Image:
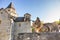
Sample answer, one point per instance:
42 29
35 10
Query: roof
48 24
11 6
27 14
19 19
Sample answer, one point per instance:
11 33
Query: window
8 10
1 12
0 21
19 24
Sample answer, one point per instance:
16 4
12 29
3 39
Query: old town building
11 25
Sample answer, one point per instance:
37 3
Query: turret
11 10
37 23
27 17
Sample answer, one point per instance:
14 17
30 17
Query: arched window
19 24
0 21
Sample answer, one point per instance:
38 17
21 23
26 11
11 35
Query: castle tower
11 10
36 25
7 16
27 17
13 15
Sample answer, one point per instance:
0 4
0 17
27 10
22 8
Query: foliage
57 22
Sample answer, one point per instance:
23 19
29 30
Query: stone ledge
39 36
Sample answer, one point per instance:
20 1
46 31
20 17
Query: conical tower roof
11 6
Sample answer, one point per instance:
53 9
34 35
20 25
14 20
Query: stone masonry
38 36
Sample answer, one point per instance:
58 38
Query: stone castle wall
38 36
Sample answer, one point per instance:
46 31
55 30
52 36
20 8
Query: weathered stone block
39 36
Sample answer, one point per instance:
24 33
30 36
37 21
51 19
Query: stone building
37 25
11 25
45 27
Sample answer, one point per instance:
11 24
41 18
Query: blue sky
46 10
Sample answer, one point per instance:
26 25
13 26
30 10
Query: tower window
1 12
0 21
8 10
19 25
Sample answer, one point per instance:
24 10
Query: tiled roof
11 6
19 19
